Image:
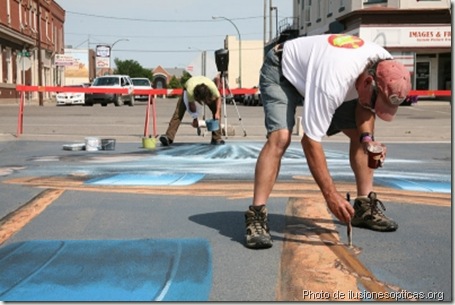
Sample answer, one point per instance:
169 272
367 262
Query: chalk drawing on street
230 161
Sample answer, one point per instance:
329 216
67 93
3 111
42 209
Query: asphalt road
193 195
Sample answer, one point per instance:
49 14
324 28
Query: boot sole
261 244
379 229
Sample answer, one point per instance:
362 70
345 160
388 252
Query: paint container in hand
212 125
374 156
92 144
108 144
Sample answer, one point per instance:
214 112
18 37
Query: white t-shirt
324 69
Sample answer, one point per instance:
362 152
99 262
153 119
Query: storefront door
423 75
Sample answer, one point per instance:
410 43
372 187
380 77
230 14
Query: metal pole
270 20
23 66
40 63
224 105
265 21
110 54
20 118
276 20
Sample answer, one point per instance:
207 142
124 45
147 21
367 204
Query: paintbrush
348 198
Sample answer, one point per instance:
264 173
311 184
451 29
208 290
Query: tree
174 83
132 68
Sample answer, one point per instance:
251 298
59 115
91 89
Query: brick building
31 33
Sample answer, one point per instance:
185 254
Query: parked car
107 82
141 83
71 98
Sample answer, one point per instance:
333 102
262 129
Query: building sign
410 37
103 51
102 62
430 36
64 60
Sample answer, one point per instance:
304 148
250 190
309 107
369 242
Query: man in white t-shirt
343 83
198 89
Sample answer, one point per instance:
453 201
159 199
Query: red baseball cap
394 83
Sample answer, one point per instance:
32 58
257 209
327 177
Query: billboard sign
78 71
103 51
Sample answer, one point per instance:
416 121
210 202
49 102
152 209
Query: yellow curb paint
16 220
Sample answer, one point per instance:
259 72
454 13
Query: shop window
342 6
329 8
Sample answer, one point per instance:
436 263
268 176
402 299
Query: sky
170 33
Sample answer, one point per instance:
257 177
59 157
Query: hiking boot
165 141
257 229
367 215
217 142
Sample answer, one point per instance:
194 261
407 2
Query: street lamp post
274 8
240 46
110 55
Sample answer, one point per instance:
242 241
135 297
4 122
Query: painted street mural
184 164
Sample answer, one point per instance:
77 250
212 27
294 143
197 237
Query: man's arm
192 106
218 108
317 163
365 119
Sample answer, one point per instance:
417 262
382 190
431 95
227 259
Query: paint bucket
212 125
108 144
149 143
92 144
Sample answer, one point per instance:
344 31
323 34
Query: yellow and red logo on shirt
345 41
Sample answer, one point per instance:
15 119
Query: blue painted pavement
106 270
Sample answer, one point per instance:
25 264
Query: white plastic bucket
92 144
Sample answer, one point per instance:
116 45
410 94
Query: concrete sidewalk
423 122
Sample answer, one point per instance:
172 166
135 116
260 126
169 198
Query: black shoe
165 141
217 142
257 229
367 215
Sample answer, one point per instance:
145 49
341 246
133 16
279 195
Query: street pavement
168 223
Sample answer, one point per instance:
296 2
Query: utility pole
270 20
265 21
40 60
204 63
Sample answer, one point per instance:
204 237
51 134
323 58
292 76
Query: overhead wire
156 20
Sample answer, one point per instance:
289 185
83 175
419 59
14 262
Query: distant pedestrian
198 89
345 83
